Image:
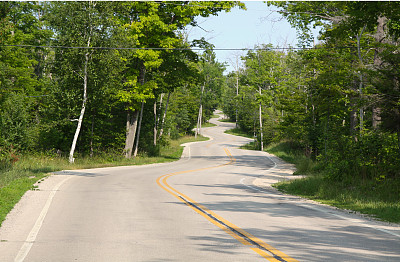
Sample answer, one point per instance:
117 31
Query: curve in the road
257 245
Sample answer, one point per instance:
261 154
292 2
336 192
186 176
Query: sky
257 25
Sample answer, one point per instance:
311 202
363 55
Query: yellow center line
236 232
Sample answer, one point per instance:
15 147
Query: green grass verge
12 193
237 132
208 124
288 152
377 199
227 120
31 168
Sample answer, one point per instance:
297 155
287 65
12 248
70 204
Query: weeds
22 176
237 132
379 199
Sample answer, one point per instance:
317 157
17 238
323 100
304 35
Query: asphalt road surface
215 204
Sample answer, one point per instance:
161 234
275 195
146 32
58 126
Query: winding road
215 204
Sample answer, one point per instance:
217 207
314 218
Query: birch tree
78 26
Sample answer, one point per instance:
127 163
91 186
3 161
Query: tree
262 73
154 25
349 84
20 80
210 85
80 24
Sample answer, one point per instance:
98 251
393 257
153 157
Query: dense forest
338 101
84 78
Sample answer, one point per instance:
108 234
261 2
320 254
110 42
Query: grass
226 120
208 124
237 132
376 199
290 153
380 200
32 168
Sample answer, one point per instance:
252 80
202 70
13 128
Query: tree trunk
261 128
198 127
361 78
78 128
91 137
155 122
353 117
157 118
138 132
380 37
131 126
353 121
164 116
398 140
376 119
200 118
132 121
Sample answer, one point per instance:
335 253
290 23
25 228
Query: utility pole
260 106
199 117
261 124
237 90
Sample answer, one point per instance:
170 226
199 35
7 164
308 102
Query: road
215 204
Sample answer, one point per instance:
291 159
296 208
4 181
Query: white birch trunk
155 123
78 128
85 79
164 116
138 131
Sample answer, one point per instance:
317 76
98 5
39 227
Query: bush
374 156
8 156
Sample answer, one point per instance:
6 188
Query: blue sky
259 24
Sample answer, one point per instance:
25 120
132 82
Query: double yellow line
263 249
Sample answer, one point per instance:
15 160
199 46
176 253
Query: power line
181 49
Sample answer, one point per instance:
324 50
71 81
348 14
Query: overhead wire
180 48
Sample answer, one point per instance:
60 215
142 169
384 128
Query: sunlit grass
208 124
237 132
227 120
378 199
31 168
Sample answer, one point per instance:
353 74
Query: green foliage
379 200
340 105
12 193
41 88
182 117
16 180
238 132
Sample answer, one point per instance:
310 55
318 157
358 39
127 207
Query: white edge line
26 247
318 209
